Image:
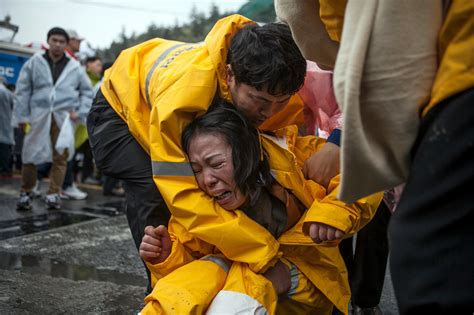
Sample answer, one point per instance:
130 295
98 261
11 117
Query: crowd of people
250 160
43 123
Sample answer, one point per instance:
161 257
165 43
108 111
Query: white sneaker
53 201
72 192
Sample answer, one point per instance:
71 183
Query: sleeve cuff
335 137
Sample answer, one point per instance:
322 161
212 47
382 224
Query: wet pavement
80 259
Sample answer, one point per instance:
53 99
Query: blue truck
12 58
12 55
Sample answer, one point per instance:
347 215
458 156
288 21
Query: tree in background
193 31
259 10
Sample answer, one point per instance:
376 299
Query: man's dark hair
266 57
251 168
57 31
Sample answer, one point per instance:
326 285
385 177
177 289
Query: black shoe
53 201
24 203
367 310
116 192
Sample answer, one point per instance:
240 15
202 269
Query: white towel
384 71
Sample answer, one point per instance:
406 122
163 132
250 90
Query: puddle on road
58 269
41 222
54 219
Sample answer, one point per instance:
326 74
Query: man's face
211 160
57 43
74 44
256 105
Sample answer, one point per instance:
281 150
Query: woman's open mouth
224 195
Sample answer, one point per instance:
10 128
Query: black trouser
72 167
119 155
17 148
366 266
88 162
5 159
432 229
69 176
109 184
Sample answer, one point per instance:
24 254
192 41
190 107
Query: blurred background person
74 44
6 130
52 88
94 69
70 190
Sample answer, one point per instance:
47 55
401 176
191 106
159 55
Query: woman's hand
320 232
156 244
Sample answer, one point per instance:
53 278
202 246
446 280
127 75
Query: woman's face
211 159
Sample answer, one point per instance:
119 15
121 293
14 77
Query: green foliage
194 31
259 10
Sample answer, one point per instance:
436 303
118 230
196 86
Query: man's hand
279 275
323 165
156 244
22 127
320 232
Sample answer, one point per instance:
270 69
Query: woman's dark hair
266 57
251 168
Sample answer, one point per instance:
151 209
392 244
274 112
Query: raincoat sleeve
178 257
349 218
329 210
234 234
23 92
85 95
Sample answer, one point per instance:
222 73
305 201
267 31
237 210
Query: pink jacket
322 114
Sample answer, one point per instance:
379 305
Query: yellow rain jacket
321 264
157 88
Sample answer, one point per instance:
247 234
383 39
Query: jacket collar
71 65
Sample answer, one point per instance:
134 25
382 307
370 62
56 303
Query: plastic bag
66 138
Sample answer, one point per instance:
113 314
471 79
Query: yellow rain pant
205 286
187 290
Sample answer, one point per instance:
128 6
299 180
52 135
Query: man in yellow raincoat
318 275
156 88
